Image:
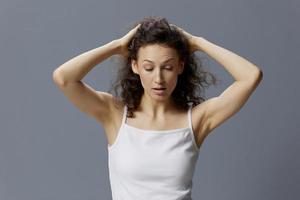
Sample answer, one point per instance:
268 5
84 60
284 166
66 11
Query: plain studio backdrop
50 150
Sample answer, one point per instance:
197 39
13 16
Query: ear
134 66
181 67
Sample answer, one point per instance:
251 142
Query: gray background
50 150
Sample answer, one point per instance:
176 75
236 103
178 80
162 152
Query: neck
156 109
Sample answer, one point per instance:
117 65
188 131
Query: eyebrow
163 61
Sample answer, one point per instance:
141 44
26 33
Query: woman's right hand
124 41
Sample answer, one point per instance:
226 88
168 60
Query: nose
159 77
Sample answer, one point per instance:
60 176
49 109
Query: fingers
135 28
133 31
176 27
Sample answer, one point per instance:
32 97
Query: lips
159 88
159 91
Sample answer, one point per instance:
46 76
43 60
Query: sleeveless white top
152 164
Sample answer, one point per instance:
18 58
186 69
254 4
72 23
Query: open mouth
159 91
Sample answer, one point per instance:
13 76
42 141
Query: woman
156 128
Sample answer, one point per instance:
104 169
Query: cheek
145 81
173 82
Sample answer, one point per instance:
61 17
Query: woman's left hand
190 38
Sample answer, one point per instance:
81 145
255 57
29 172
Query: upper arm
222 107
96 104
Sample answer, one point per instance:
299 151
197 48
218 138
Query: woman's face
158 66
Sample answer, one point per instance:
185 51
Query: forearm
240 68
76 68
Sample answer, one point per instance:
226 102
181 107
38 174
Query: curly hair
191 83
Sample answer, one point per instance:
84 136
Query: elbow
257 78
58 78
259 75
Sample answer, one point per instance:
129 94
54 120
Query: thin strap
124 114
191 127
189 116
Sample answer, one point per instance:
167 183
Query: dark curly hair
157 30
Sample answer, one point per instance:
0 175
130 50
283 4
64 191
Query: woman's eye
168 67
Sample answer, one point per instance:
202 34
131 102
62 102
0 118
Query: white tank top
152 164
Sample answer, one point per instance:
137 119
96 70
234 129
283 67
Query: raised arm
247 77
69 77
217 110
